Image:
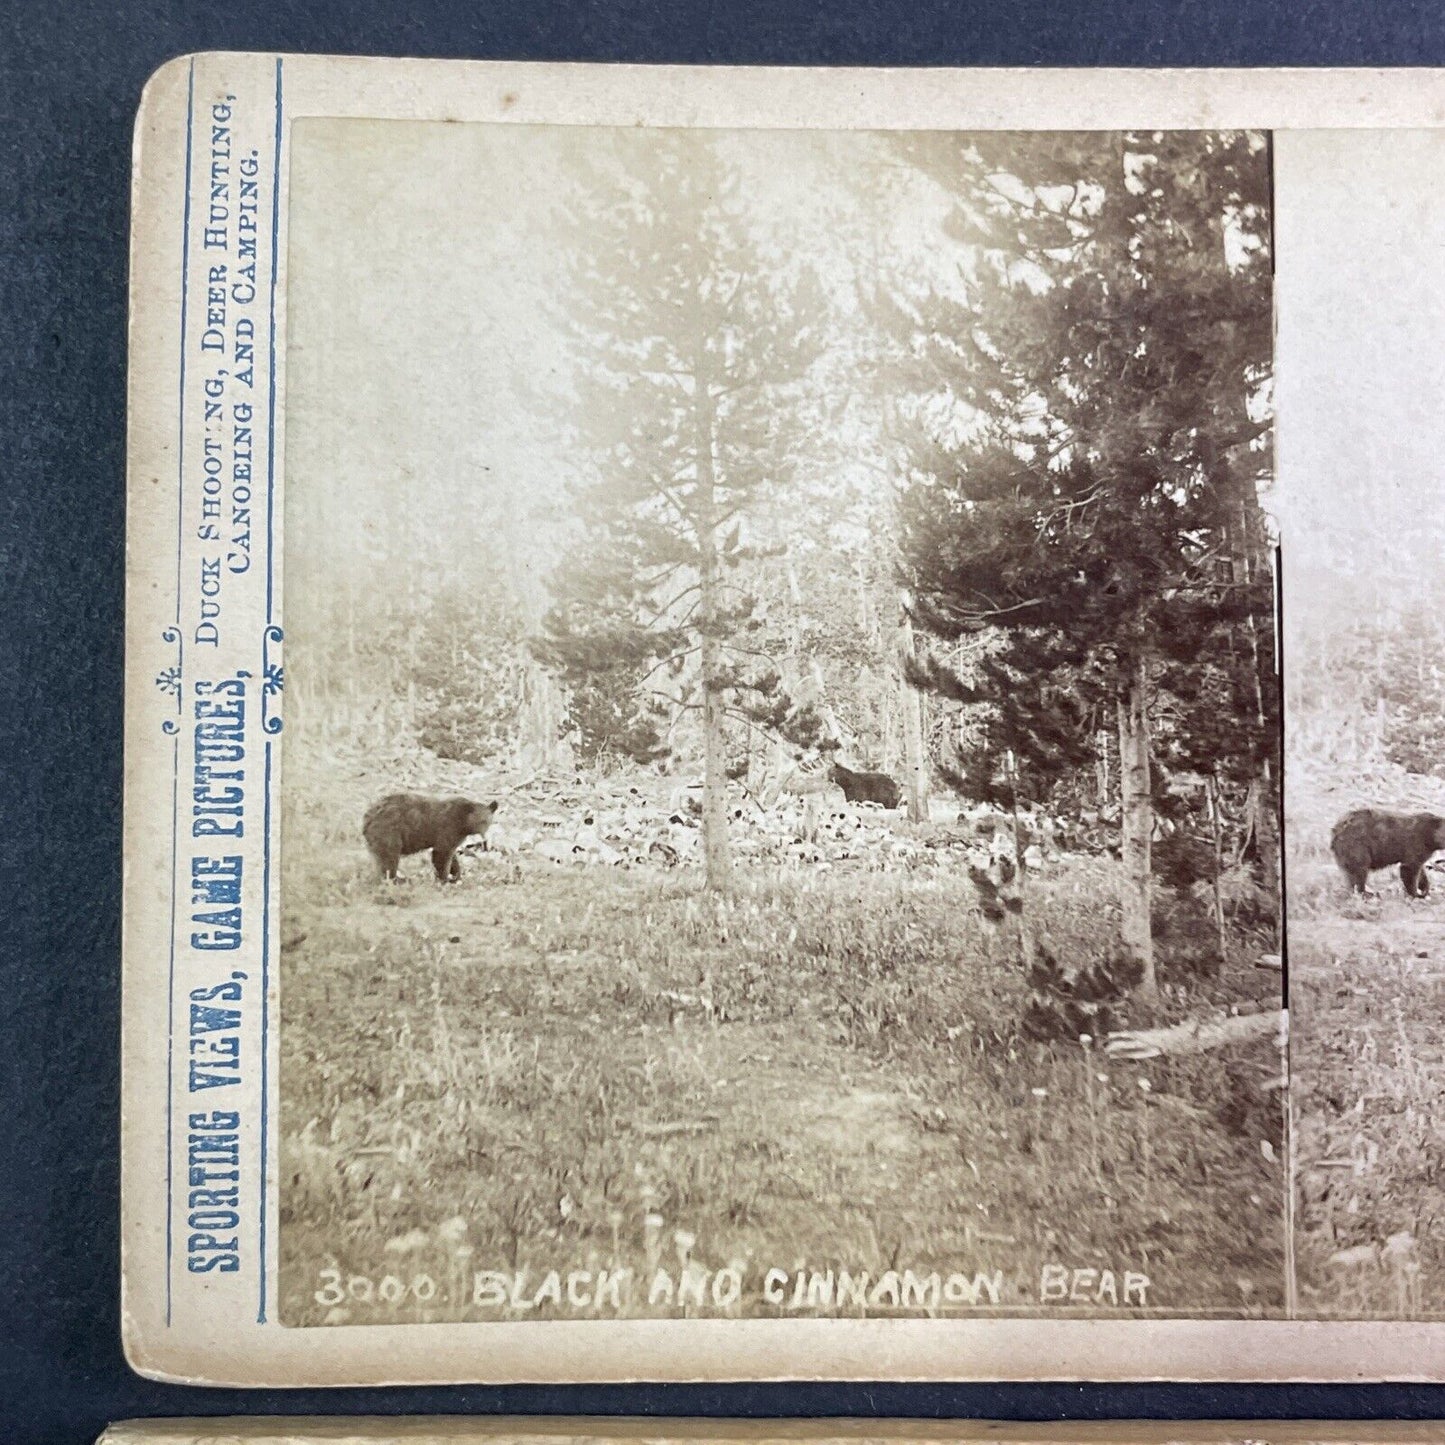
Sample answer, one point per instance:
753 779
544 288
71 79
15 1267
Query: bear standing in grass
1369 838
406 823
867 787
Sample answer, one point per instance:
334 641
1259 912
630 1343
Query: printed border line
265 682
1291 1264
171 1033
271 396
185 291
176 749
1291 1278
265 1040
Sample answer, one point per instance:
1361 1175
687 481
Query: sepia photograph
1365 709
780 788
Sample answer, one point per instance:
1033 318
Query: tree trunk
1267 840
1193 1038
1024 934
889 752
820 692
1212 797
915 763
865 613
1136 819
1264 796
716 853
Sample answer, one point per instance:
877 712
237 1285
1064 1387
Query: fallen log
1195 1037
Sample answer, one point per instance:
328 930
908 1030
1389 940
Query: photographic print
712 786
1366 793
779 635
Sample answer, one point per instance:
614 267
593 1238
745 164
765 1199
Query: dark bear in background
867 787
1370 838
406 823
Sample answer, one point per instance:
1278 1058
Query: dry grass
586 1069
1367 992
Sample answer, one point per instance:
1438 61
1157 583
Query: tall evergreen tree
691 346
1090 441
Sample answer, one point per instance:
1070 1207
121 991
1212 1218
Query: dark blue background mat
70 75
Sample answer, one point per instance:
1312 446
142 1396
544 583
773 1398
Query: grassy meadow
579 1068
1367 992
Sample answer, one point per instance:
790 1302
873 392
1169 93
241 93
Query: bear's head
481 816
475 818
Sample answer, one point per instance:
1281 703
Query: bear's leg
1408 874
442 860
454 873
386 863
1357 876
1422 883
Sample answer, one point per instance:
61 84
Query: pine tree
1410 686
605 659
1085 466
691 345
469 671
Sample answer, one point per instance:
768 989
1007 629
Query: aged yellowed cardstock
709 793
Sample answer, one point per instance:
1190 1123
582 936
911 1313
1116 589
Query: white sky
1360 296
420 255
